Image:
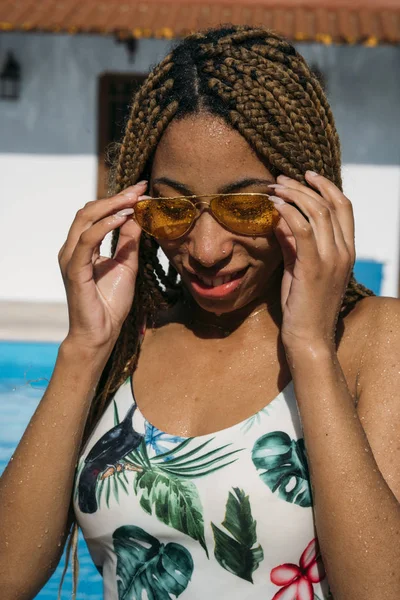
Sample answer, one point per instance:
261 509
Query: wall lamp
10 78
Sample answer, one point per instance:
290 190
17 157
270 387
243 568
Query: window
115 98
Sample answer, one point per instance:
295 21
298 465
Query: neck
198 318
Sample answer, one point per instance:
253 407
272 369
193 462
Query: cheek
266 255
264 249
173 251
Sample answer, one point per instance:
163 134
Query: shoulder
380 353
369 337
372 316
375 317
374 338
378 408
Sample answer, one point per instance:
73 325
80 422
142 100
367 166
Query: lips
216 287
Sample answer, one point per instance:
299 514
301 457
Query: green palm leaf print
285 467
148 569
175 502
163 482
236 554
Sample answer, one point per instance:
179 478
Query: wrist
75 350
310 350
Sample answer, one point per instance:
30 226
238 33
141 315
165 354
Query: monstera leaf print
236 552
148 569
284 467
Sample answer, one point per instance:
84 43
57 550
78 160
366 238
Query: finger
302 231
295 185
80 267
126 252
92 212
317 212
340 240
287 242
343 206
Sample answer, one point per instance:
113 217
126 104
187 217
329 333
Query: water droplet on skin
39 545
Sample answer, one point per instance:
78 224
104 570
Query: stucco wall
48 165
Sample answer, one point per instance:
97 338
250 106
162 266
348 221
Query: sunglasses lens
165 219
247 214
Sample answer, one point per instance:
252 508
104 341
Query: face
202 155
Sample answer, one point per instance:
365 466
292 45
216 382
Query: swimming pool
25 369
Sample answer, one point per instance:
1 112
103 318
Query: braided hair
262 87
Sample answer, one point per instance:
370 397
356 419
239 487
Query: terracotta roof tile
343 21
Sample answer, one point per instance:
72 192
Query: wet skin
190 379
202 155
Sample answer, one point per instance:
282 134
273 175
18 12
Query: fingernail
277 186
312 173
277 200
285 177
143 182
125 212
144 198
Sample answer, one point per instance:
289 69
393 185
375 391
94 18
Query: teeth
207 281
217 281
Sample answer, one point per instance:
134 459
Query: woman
251 451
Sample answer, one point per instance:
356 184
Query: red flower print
298 580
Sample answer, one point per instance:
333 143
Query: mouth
216 287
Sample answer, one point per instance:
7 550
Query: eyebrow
225 189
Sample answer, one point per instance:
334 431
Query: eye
175 209
245 206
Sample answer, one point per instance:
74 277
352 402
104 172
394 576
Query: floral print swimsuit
224 515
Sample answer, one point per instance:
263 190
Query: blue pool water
25 369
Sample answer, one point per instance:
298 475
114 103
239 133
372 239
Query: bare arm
35 489
354 472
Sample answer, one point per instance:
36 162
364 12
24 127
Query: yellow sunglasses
170 218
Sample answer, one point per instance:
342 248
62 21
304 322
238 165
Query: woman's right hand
99 289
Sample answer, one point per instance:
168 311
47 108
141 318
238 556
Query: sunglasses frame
207 206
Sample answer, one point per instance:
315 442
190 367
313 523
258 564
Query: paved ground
39 321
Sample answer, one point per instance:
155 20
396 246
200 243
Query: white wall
48 164
375 194
40 195
48 190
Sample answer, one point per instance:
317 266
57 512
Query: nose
208 242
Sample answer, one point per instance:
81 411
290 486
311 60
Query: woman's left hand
318 255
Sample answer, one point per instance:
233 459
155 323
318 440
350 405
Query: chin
225 305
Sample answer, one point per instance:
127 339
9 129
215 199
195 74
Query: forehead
204 148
